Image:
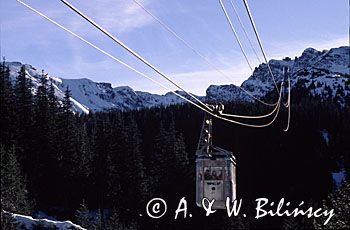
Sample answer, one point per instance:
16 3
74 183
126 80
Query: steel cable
140 73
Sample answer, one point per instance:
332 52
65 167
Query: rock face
324 74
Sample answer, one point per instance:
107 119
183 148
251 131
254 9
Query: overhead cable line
289 105
198 53
138 56
259 41
240 44
290 73
140 73
97 48
252 117
132 52
245 31
235 34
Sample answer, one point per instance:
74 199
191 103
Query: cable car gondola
215 168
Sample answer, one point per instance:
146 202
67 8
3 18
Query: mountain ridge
324 74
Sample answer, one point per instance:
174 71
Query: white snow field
27 222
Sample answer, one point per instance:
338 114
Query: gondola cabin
215 170
216 177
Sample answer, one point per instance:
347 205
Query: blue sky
286 28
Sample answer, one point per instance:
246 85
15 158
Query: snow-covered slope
28 222
35 74
325 74
89 95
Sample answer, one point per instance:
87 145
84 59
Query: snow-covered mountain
322 73
325 74
89 95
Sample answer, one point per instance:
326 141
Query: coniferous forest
100 169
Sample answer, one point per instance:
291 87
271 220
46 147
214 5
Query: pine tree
14 197
101 157
53 111
170 160
67 103
40 159
54 137
98 221
52 100
6 107
85 156
67 135
113 222
67 153
24 117
179 148
42 105
159 161
134 167
119 158
83 216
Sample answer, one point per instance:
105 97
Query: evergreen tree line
100 169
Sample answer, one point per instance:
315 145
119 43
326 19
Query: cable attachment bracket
205 143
